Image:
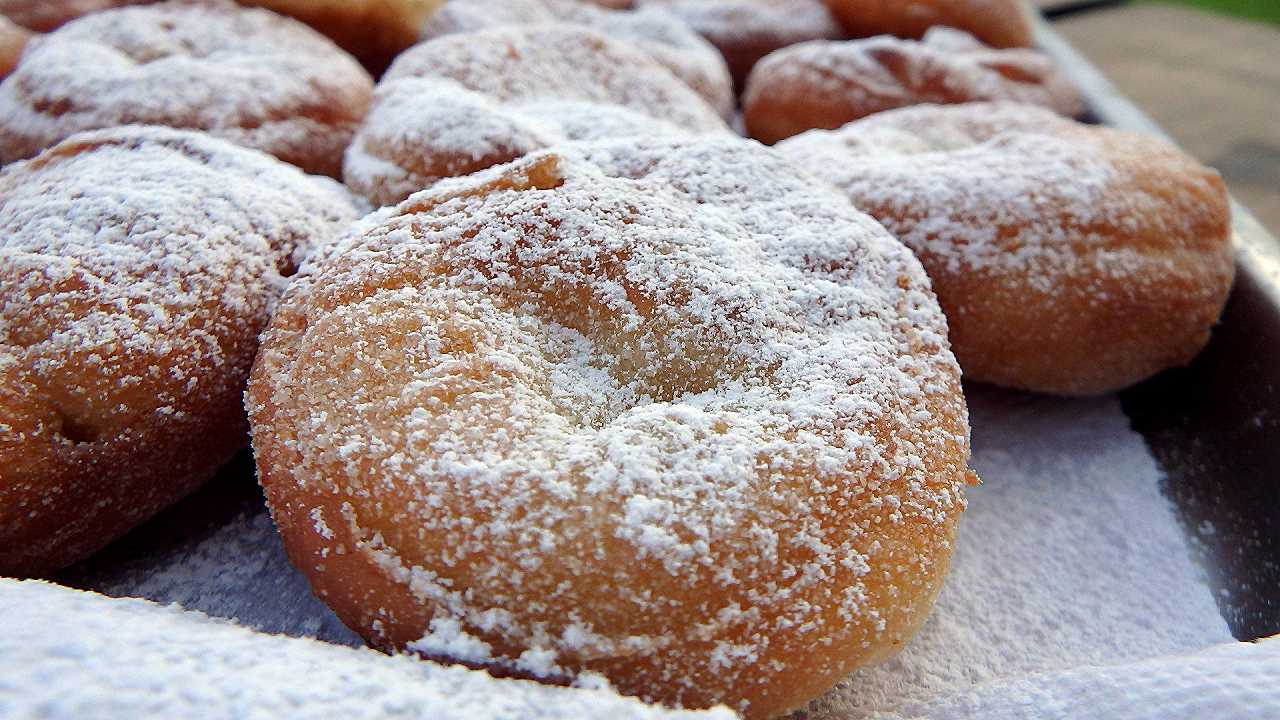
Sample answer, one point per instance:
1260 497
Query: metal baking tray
1214 427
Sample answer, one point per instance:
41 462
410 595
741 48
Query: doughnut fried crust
668 412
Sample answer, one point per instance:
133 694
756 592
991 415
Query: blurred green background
1268 10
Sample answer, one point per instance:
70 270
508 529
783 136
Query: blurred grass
1265 10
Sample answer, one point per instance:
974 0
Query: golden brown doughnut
13 40
998 23
662 35
1070 259
464 102
827 84
246 75
137 267
663 411
746 30
48 15
374 31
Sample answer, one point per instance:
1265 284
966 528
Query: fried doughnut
137 266
654 31
249 76
374 31
827 84
665 411
746 30
465 102
48 15
13 40
1070 259
998 23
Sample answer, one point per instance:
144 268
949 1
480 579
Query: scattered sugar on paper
131 658
1068 556
1233 681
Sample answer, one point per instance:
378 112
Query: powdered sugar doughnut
137 267
375 31
47 15
249 76
13 40
1070 259
654 31
465 102
999 23
668 412
746 30
827 84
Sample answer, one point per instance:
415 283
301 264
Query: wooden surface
1210 81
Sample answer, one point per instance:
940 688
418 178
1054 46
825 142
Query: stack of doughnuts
827 84
600 392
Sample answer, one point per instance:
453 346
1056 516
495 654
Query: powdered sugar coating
658 33
747 30
827 84
669 412
139 266
1040 232
62 657
249 76
464 102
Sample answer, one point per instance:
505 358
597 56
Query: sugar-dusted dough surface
1070 258
243 74
137 266
668 411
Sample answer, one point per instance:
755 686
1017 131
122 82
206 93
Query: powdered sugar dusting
1000 187
247 75
1231 681
684 362
176 663
461 103
1069 258
664 37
